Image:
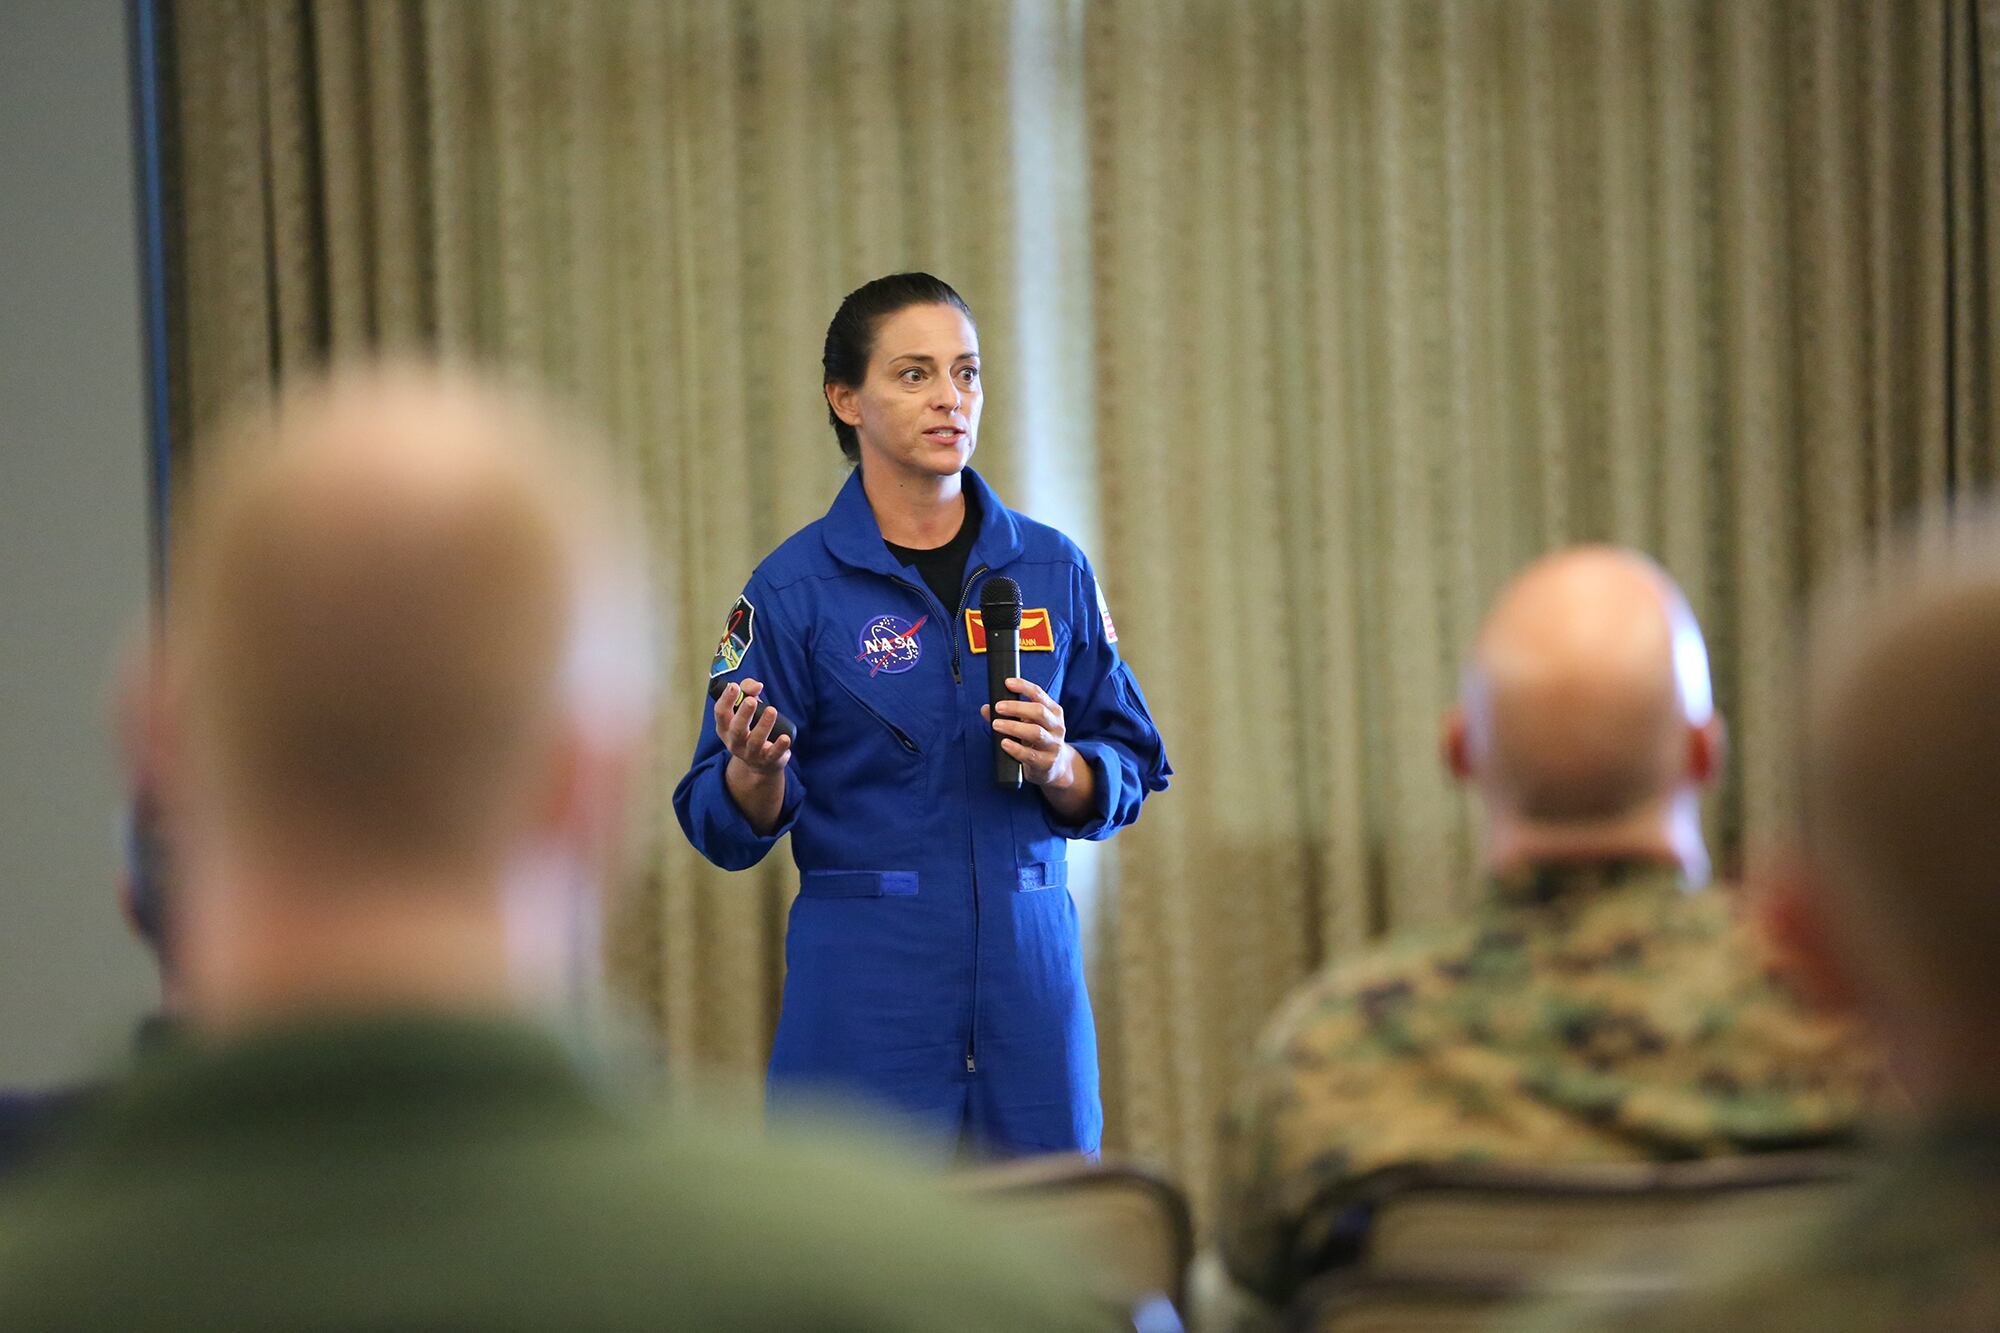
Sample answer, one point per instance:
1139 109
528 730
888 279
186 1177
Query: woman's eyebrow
925 359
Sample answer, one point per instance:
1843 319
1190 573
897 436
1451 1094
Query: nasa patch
890 646
735 639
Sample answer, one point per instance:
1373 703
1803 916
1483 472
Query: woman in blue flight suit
933 961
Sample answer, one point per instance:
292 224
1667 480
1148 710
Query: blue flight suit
933 960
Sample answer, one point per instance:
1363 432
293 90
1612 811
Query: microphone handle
1003 660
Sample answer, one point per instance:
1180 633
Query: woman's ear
845 400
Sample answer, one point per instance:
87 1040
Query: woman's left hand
1031 730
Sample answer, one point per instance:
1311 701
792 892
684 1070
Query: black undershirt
943 567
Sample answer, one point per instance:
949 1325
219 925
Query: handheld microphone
1000 609
781 727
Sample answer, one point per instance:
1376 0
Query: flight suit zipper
971 843
902 737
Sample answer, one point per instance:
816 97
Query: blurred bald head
1583 688
389 613
1901 772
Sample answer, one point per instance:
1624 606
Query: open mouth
944 435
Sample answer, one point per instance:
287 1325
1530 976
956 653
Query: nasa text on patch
1038 633
889 644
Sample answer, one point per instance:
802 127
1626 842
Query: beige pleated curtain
1313 319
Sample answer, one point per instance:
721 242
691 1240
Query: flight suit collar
853 537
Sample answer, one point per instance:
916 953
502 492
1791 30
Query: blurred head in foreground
1585 719
1890 898
403 686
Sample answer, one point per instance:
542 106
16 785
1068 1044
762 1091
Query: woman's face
917 409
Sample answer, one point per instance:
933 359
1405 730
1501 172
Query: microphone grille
1000 603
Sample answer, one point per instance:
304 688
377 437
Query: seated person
404 691
1887 900
1598 1005
31 1121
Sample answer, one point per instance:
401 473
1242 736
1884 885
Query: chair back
1130 1224
1442 1246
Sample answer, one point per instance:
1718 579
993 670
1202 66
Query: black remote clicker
782 727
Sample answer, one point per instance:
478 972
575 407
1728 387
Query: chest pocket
897 732
1039 851
1046 668
884 682
1044 639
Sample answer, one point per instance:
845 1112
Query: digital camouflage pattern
1586 1013
1915 1244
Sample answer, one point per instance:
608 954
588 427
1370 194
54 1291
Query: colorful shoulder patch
1038 633
889 644
736 639
1104 611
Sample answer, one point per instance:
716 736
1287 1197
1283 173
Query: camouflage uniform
1915 1244
1587 1013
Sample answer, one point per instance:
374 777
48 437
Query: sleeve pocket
858 884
